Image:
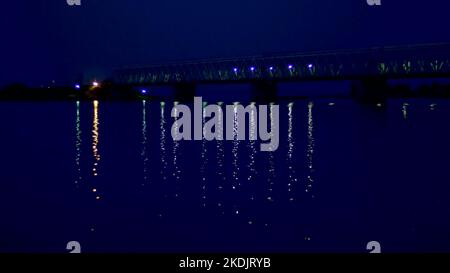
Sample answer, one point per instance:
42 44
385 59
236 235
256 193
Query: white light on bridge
271 68
77 86
252 68
95 84
144 91
235 70
290 66
310 66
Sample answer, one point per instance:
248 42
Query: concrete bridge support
184 91
370 89
264 91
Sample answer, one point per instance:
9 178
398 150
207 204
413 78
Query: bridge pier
184 91
370 89
264 91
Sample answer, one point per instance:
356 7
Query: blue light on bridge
310 66
271 68
144 91
235 70
252 69
290 66
77 86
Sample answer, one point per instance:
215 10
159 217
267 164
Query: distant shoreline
109 91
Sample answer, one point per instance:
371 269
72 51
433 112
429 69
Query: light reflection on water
144 153
95 139
271 162
290 153
220 170
176 154
235 150
251 143
310 149
405 110
162 142
221 178
322 184
78 144
220 150
204 157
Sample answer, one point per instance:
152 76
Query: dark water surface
107 174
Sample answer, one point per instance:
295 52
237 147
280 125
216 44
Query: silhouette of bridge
428 60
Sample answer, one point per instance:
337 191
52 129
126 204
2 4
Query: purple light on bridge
143 91
235 70
252 68
290 66
77 86
271 68
310 66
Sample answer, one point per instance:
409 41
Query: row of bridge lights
271 69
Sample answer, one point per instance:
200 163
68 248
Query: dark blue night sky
49 40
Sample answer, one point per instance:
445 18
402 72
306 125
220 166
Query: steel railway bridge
411 61
393 62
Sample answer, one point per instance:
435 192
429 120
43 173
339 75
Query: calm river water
109 175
